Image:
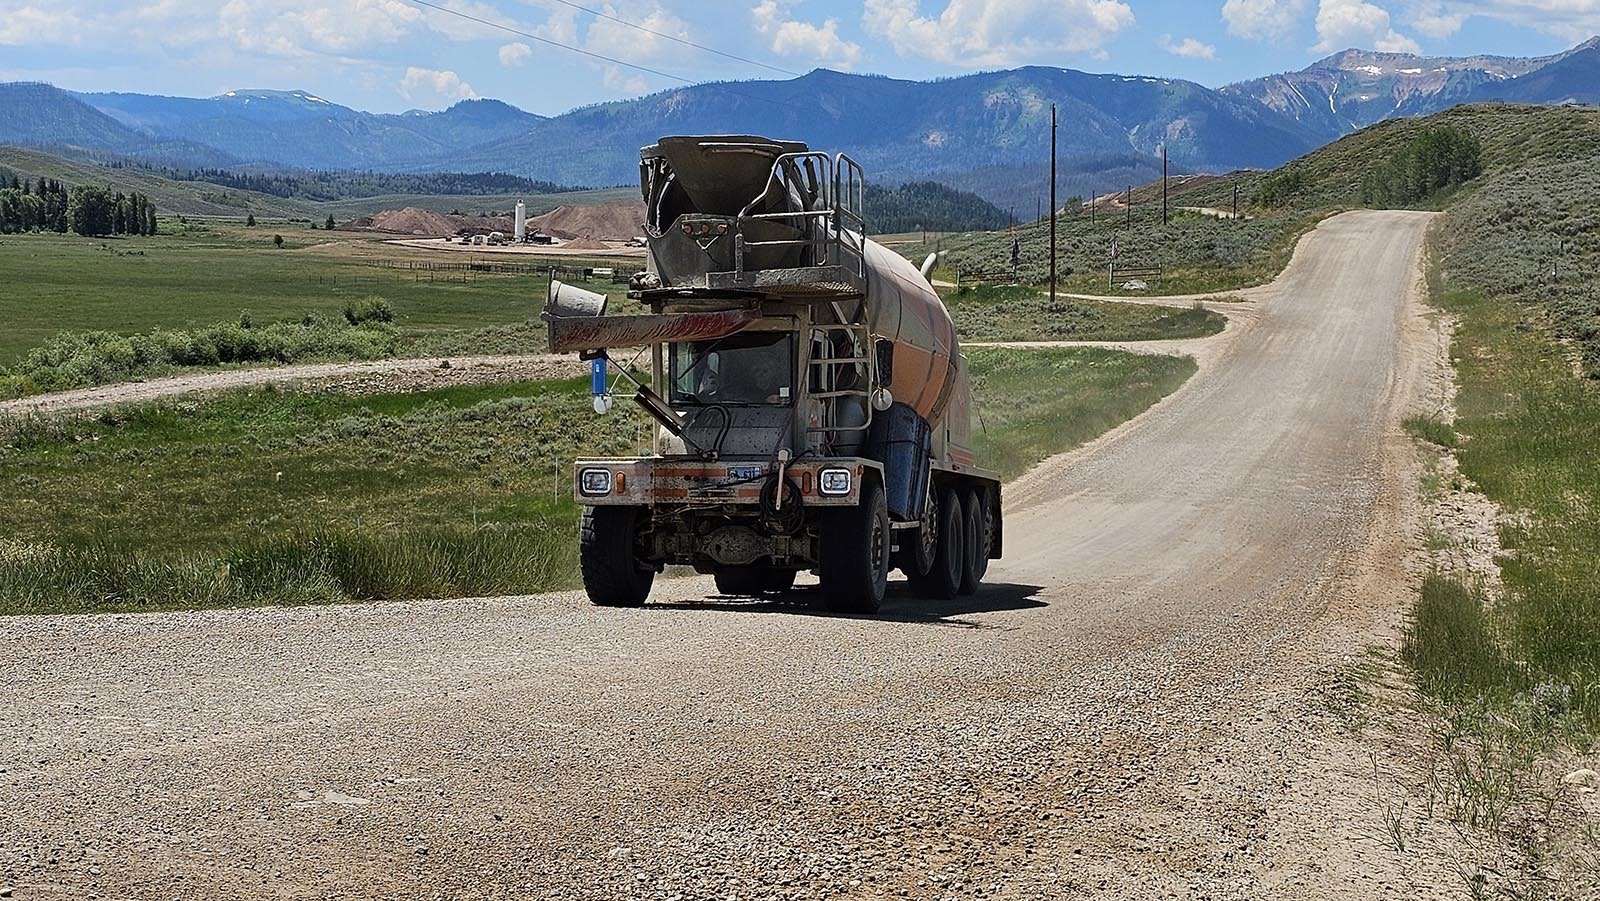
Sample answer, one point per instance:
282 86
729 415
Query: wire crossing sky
548 56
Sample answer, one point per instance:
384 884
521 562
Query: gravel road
1139 704
368 376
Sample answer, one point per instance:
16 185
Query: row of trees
932 206
342 185
1435 159
48 205
98 211
26 206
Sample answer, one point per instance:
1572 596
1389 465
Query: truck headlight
594 482
834 481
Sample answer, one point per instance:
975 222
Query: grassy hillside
202 199
1203 253
172 198
1513 138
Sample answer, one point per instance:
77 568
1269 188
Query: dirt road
1142 703
419 374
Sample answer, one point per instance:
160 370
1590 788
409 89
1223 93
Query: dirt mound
426 223
409 221
603 222
584 244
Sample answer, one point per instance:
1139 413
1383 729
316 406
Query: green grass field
207 277
212 274
279 496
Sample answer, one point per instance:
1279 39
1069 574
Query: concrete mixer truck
813 404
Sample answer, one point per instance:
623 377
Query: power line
683 41
590 53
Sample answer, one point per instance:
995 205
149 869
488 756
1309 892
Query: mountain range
979 131
1353 89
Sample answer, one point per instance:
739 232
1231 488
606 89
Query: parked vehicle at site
814 406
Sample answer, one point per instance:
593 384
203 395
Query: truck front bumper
653 481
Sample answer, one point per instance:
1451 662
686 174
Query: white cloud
279 28
515 54
978 33
614 78
1435 21
791 37
1343 24
632 44
434 88
1188 48
1572 20
38 25
1262 19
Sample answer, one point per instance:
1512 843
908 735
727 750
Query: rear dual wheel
976 511
943 578
961 548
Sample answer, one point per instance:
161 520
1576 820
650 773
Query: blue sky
392 55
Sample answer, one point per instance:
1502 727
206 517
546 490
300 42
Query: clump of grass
318 566
1450 645
1433 430
17 386
369 309
81 359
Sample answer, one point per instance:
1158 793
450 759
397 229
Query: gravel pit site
1136 704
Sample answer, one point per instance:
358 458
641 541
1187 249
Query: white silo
522 222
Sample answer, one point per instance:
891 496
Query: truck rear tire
975 510
943 580
613 574
754 580
853 557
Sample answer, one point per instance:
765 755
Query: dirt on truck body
814 406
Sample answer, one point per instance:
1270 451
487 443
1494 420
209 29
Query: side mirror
885 353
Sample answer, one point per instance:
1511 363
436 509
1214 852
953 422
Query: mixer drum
903 308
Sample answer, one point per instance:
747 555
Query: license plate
744 472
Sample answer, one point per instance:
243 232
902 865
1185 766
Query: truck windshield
743 368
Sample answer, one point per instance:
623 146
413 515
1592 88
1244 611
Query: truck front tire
943 580
853 562
608 555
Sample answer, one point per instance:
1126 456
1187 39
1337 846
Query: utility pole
1129 217
1164 219
1236 201
1052 205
